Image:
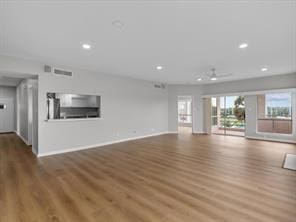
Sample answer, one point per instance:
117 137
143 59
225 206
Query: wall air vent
57 71
159 86
62 72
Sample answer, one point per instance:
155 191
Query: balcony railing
274 125
229 122
185 119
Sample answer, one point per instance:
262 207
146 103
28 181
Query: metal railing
274 125
184 118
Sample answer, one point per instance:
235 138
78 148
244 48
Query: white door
6 115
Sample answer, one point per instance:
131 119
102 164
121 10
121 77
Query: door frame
224 105
192 109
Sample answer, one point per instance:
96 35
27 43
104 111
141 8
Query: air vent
62 72
159 86
47 68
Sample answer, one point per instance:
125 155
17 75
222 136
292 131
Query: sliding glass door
228 115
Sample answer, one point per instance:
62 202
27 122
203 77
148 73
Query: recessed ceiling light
213 78
264 69
159 67
243 45
117 24
86 46
199 79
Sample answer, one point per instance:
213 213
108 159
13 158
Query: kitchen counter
73 119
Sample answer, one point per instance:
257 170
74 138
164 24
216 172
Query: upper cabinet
65 99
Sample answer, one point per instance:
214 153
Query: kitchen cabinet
74 100
65 99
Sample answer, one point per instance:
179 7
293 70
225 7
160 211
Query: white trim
172 132
199 132
33 151
96 145
270 139
290 90
274 134
23 139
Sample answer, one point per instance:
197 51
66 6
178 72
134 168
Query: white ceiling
186 38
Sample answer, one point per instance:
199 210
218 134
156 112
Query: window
278 105
274 113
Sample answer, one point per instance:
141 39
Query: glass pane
228 115
214 112
184 112
235 115
274 113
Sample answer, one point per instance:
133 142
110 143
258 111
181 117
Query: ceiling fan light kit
213 76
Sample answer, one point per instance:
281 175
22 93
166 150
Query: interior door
6 115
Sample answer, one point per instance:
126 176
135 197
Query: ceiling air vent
62 72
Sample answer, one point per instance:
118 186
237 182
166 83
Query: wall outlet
135 131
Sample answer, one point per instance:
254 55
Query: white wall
7 91
27 112
22 110
35 123
130 108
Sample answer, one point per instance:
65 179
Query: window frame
287 119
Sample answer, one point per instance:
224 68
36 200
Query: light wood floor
166 178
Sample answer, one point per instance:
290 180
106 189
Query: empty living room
148 111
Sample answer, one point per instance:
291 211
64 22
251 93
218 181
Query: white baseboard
23 139
269 139
199 132
97 145
172 132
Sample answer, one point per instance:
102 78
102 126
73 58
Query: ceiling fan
213 76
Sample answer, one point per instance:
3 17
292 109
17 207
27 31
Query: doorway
7 115
19 107
185 120
228 115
